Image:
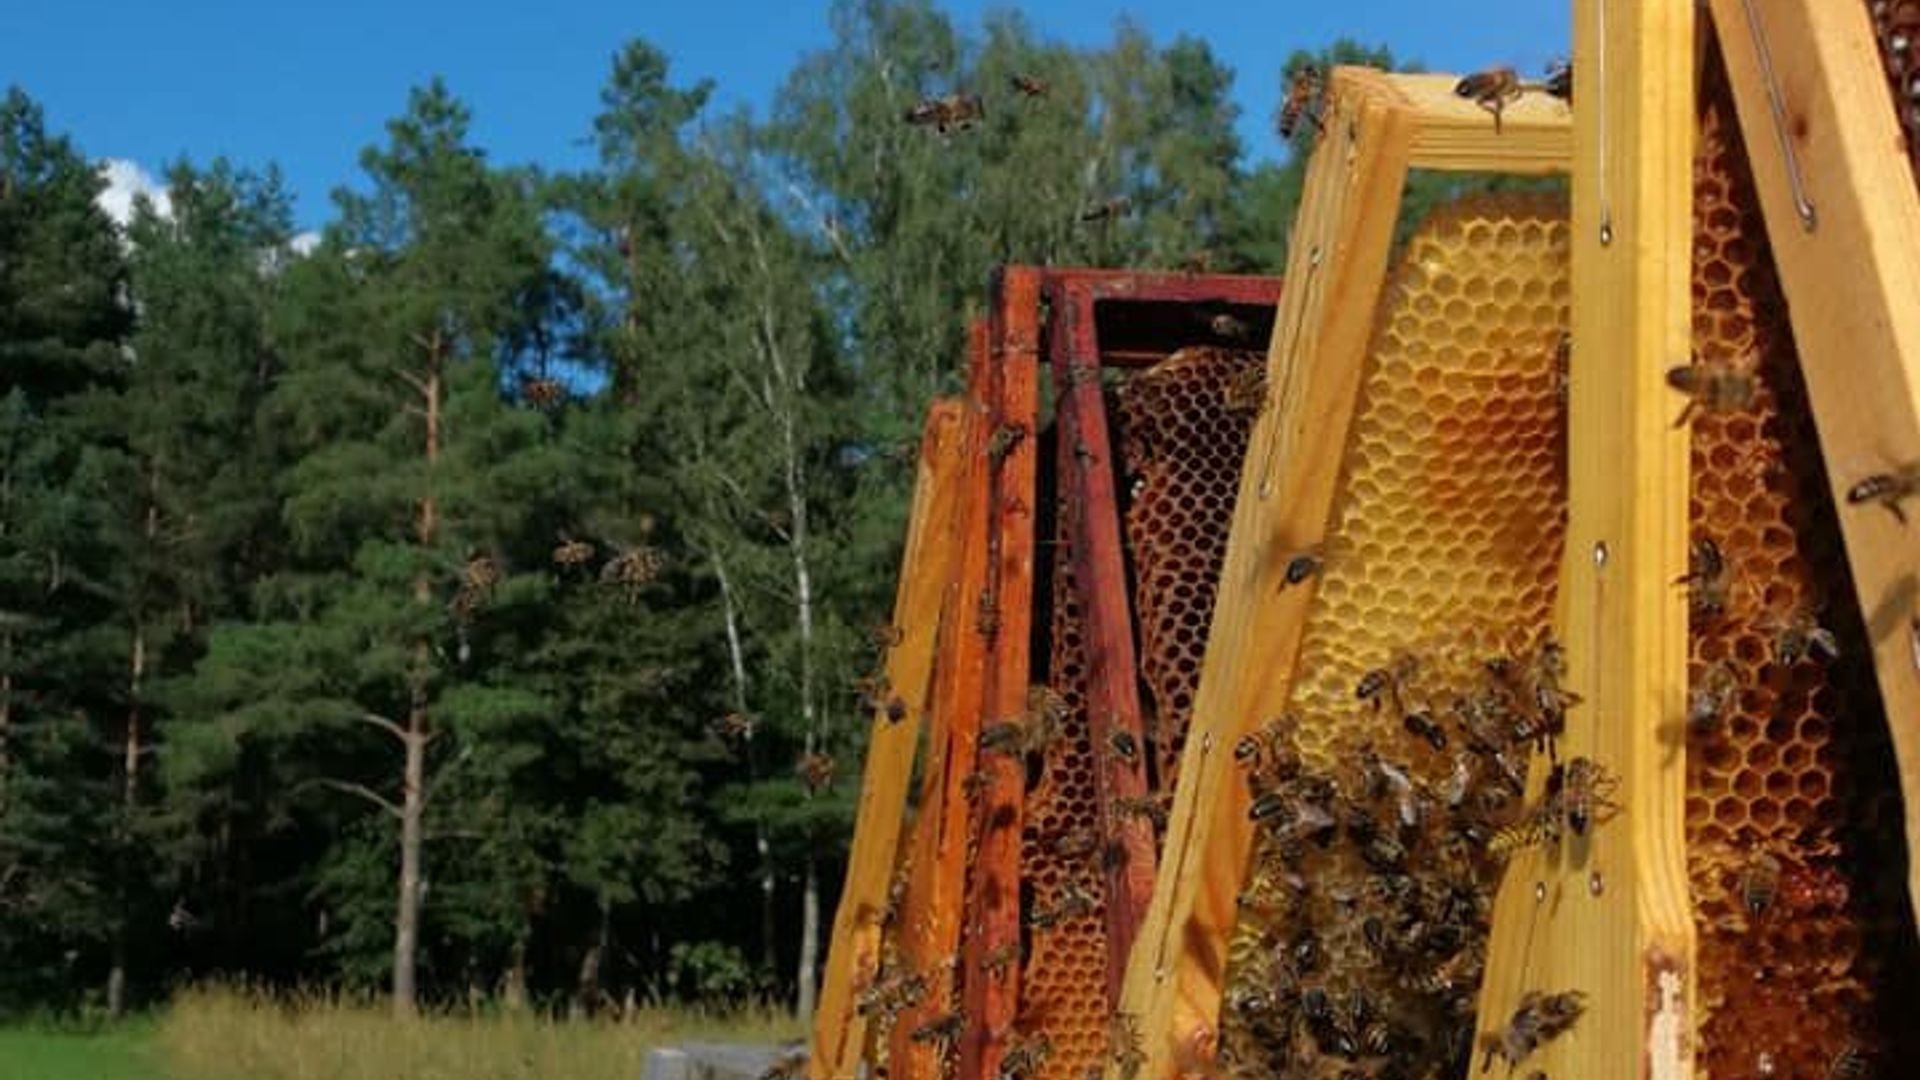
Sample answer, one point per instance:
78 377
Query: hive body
1793 816
1445 546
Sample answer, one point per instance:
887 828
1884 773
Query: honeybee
1538 826
1709 579
1045 705
943 1029
1074 902
1004 439
1303 566
999 960
1124 746
1152 807
733 726
1538 1019
948 113
1491 89
1303 99
570 552
816 769
1074 844
1030 86
1559 80
1546 670
542 393
1708 698
1420 722
884 636
1800 637
1759 884
1585 794
1711 386
1389 681
1024 1056
1230 327
1115 207
1197 262
1889 489
1246 392
1124 1045
1032 732
986 613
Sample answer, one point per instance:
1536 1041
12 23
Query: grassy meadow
233 1035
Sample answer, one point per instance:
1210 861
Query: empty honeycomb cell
1063 983
1797 770
1444 546
1182 447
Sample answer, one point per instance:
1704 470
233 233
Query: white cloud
304 243
126 180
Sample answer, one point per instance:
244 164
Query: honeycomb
1182 447
1794 844
1063 990
1445 547
1897 25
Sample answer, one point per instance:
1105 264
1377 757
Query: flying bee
733 726
1711 386
948 113
1889 489
884 636
816 769
1124 1044
634 568
943 1029
1709 579
1759 884
1030 86
481 574
1004 439
1708 698
542 393
1124 746
1230 327
1303 566
1560 80
1587 793
570 552
1800 637
1491 89
1024 1056
1389 681
1303 99
1197 262
1116 207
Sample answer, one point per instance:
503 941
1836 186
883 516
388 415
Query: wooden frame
1336 268
839 1029
930 913
1843 217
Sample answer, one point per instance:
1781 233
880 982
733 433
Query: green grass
127 1053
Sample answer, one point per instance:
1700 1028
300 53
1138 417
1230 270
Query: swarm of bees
1364 923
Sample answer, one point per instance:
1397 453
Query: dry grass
235 1035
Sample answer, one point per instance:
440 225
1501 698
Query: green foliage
547 472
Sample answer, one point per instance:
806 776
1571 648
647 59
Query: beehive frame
1376 128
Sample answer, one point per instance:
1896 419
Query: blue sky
307 85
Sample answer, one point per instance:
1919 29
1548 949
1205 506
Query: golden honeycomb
1444 547
1183 445
1063 990
1897 25
1794 847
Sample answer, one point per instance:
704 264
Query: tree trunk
131 749
406 921
6 712
762 846
809 938
513 987
586 989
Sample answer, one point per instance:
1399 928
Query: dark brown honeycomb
1183 445
1897 25
1797 775
1444 546
1063 994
